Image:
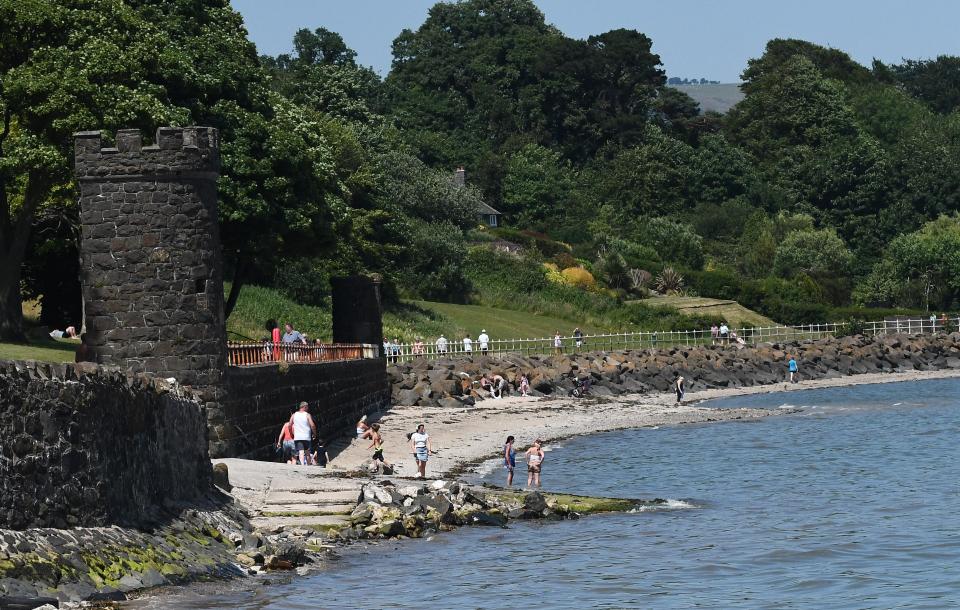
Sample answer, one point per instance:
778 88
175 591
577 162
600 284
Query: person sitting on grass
70 333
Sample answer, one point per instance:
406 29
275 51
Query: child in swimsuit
509 459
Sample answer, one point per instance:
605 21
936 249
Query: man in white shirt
467 345
724 332
442 345
484 340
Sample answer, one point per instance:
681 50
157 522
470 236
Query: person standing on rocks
422 448
534 463
678 386
304 430
509 459
792 367
484 340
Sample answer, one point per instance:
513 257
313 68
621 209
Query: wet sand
464 436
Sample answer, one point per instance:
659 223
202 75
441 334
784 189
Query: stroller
581 387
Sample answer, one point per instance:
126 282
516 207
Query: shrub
579 277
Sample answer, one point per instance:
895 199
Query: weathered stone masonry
84 445
150 250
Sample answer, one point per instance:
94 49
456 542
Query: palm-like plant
669 281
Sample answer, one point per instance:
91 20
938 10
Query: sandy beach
467 435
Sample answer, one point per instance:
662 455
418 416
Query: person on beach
484 340
792 367
362 427
497 385
422 448
285 444
524 385
534 463
509 459
679 388
304 430
376 443
558 343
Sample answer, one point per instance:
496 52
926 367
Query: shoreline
467 436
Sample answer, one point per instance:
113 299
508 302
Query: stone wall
452 383
150 254
84 445
260 398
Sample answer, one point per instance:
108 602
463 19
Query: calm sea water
852 503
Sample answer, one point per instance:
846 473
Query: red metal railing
248 353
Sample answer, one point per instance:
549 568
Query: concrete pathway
277 494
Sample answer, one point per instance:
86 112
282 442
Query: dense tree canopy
827 176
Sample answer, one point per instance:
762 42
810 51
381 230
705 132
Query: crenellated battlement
176 150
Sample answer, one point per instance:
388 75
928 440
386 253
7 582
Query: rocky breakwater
450 383
387 510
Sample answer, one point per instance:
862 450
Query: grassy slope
735 313
500 323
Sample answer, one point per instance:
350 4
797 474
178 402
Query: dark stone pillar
357 314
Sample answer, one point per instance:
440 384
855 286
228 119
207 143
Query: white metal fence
644 339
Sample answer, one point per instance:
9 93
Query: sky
710 39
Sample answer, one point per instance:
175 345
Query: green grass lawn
500 323
39 349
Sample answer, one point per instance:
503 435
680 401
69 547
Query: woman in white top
422 448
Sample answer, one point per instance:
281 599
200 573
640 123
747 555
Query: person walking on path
304 430
679 387
442 345
509 459
285 443
468 345
484 340
558 343
792 367
578 337
524 385
422 448
534 463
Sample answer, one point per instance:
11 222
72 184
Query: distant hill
719 98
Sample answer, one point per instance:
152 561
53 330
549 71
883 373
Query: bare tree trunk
14 236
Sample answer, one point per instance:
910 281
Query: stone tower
150 249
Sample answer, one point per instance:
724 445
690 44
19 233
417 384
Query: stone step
294 510
346 496
320 522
